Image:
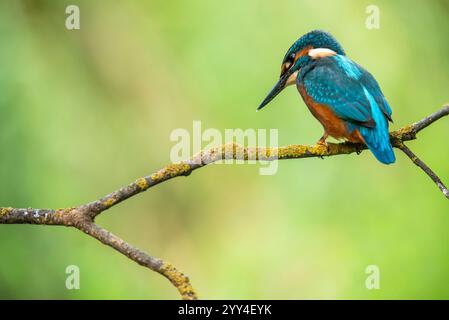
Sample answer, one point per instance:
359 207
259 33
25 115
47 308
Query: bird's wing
372 86
339 83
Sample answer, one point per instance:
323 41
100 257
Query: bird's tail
379 144
378 139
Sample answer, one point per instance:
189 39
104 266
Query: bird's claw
323 144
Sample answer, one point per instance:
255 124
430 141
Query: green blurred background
84 112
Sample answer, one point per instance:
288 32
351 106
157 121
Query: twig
425 168
83 217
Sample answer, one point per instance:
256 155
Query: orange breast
332 124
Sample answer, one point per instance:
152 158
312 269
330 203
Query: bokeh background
84 112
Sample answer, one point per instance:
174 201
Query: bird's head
313 45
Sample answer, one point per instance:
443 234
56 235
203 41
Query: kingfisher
340 94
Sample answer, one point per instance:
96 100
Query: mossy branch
83 217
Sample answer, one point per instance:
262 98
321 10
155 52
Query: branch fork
83 217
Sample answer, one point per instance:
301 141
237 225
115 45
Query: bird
344 97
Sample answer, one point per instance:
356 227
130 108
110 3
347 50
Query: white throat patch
292 79
319 53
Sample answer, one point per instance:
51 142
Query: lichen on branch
83 217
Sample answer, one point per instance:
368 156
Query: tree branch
425 168
83 217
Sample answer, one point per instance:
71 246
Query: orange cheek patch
302 53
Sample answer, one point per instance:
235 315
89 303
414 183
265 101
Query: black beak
278 87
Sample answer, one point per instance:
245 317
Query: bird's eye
288 63
291 57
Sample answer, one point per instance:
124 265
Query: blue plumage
327 82
378 139
355 97
342 95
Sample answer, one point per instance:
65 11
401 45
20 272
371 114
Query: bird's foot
322 140
322 147
322 144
